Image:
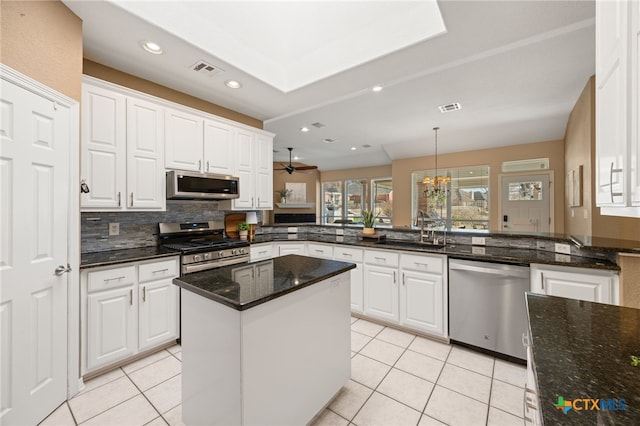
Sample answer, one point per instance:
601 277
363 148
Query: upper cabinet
129 139
122 152
617 107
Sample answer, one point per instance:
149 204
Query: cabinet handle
119 199
426 265
251 201
380 259
132 199
542 279
144 294
114 279
199 165
404 281
262 252
525 340
347 254
394 277
207 165
611 172
131 297
160 270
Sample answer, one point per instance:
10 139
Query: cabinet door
264 172
421 302
183 141
111 326
158 312
635 103
145 156
357 290
381 292
103 148
592 288
219 154
611 102
245 171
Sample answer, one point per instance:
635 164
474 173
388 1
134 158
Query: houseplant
284 194
243 230
367 220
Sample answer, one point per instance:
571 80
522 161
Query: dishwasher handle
502 270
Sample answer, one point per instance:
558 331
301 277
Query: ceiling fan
290 168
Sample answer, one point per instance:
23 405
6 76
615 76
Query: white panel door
611 101
145 156
219 153
421 303
183 141
103 148
381 293
158 312
525 204
264 172
34 189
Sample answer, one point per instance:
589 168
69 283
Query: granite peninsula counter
255 335
582 351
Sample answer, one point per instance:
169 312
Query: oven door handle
196 267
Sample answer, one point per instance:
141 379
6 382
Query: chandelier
436 187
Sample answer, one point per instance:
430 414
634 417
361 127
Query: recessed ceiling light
304 129
376 88
151 47
353 148
233 84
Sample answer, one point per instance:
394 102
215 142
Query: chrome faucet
422 234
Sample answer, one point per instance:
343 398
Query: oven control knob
207 256
220 253
234 251
241 251
197 258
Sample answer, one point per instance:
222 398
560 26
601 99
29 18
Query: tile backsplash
140 229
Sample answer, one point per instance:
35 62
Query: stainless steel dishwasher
487 305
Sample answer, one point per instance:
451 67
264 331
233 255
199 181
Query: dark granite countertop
582 350
458 251
270 279
114 257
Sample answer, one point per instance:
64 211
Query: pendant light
436 186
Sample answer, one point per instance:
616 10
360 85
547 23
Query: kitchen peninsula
255 335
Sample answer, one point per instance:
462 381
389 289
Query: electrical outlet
478 241
563 248
292 229
339 231
114 229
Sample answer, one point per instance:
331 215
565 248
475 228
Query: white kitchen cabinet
617 108
531 404
381 293
122 151
219 148
255 171
423 298
127 309
183 140
324 251
285 247
104 149
353 255
592 285
261 251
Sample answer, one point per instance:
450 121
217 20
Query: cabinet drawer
433 264
320 250
158 270
348 254
385 258
261 251
110 278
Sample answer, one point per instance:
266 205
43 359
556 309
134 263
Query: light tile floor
397 379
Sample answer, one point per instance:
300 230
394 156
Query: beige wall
103 72
359 173
310 177
494 157
43 39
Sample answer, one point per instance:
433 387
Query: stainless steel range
202 245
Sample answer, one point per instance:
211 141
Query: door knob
61 269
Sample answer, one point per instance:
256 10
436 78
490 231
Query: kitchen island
582 361
264 343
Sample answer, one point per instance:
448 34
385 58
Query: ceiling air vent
317 124
366 145
204 68
328 140
450 107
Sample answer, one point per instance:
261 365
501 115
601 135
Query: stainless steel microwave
194 185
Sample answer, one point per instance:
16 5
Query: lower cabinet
381 293
127 309
421 302
353 255
591 285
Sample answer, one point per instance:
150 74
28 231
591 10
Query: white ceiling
517 68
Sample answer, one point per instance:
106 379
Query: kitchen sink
412 245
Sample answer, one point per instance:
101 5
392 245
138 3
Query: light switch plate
114 229
292 229
478 241
563 248
339 231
